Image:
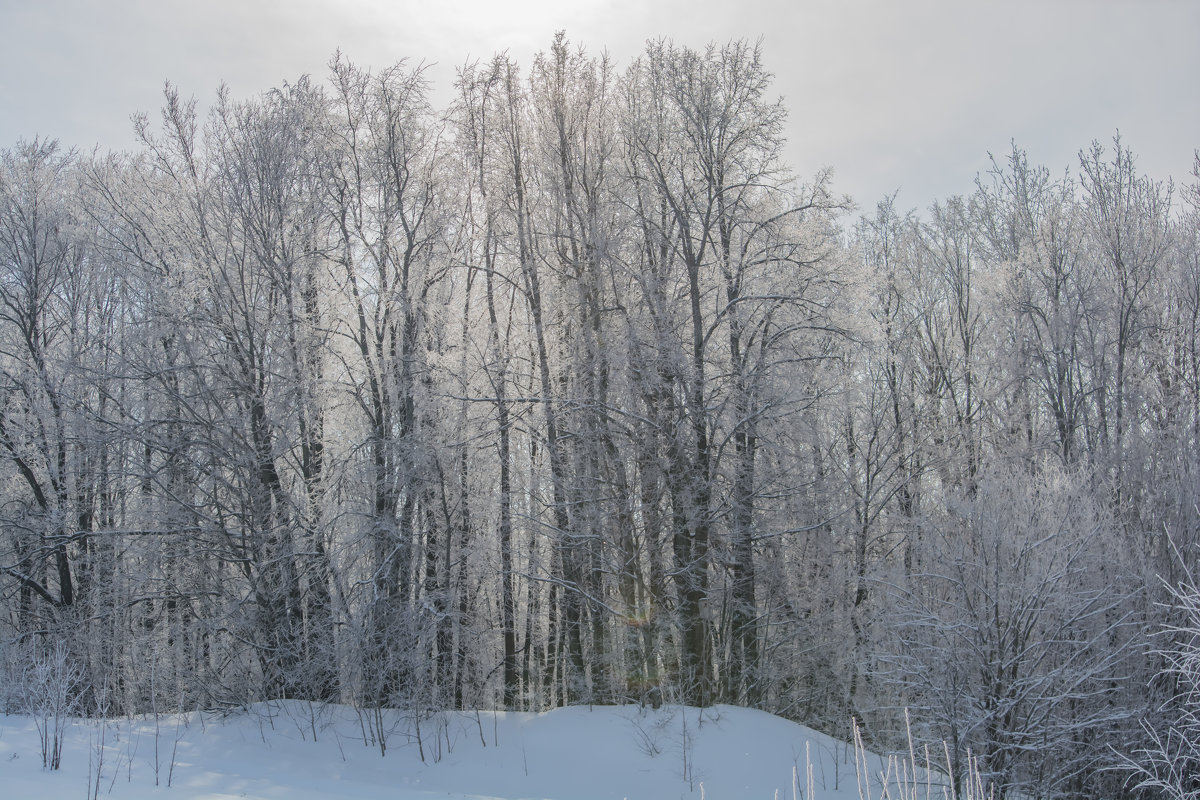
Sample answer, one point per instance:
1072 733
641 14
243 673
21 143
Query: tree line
571 392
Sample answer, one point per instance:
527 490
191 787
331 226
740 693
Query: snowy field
304 752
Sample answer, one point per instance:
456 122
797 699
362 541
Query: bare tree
1012 642
382 197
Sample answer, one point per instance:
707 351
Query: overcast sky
893 94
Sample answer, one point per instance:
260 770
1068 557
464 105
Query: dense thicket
572 393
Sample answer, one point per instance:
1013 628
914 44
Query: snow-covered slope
296 750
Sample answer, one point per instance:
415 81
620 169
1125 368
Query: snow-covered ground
302 752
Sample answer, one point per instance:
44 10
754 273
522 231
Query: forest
572 392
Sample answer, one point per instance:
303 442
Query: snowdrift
306 751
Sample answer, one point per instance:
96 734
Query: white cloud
888 93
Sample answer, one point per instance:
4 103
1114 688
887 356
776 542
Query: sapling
52 682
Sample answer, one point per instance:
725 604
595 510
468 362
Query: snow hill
302 751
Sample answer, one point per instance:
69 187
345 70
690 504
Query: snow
302 751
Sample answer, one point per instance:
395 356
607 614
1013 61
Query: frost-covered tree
1014 642
1169 764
